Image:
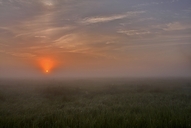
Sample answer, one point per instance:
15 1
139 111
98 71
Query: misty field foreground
98 103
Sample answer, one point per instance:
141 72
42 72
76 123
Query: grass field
98 103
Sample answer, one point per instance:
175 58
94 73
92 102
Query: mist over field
97 102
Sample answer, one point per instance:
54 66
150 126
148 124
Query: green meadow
95 103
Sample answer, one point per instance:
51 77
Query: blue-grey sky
96 37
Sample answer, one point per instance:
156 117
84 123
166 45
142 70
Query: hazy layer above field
88 103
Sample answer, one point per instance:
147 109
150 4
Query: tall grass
85 104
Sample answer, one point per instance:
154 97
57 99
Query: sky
63 38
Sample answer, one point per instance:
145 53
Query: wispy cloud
41 31
134 32
101 19
27 55
68 41
147 4
18 54
4 45
176 26
173 26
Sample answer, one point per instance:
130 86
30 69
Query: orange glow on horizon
47 64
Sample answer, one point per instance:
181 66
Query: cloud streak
134 32
176 26
102 19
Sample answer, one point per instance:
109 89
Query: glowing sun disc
46 64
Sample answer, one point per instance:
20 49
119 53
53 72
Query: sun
46 64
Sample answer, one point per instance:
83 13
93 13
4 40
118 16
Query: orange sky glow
47 64
64 38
